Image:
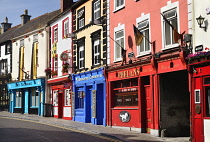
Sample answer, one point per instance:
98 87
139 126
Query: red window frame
63 29
53 29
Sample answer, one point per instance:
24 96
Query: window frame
98 10
8 48
65 27
55 33
81 18
116 8
142 19
67 98
165 9
117 30
195 96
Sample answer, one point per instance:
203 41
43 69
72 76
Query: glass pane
167 34
118 50
37 101
143 24
207 80
170 14
119 34
33 99
197 96
147 47
174 23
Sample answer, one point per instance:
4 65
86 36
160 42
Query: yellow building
89 61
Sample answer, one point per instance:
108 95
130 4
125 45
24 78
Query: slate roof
33 24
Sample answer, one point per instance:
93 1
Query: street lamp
200 21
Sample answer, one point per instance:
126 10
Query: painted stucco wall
201 37
63 44
87 32
42 54
133 10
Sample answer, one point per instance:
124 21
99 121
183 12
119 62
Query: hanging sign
64 56
199 48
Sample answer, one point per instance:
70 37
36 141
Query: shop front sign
128 73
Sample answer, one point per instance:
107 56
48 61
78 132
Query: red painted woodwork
60 105
148 108
134 121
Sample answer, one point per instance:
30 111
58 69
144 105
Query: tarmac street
53 129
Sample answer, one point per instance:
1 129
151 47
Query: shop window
126 83
207 80
126 97
134 82
117 84
80 99
67 97
18 99
34 98
207 98
55 98
197 96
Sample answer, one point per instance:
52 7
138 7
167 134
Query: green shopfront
27 96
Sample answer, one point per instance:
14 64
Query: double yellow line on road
78 131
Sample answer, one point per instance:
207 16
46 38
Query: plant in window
65 70
47 70
54 73
65 65
196 57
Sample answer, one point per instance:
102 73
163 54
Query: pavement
107 131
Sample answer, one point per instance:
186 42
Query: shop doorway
146 102
60 104
174 104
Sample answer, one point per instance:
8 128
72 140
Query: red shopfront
200 100
150 96
61 97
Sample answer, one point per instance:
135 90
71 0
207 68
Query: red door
60 105
148 108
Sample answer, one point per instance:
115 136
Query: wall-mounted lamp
200 21
188 41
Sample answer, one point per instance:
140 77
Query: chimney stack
5 25
64 4
25 17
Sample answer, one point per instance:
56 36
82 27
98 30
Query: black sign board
199 48
130 55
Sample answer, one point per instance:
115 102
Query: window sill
143 53
119 8
126 107
170 47
116 61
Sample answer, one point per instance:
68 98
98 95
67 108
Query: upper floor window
119 42
119 4
170 25
55 33
144 29
81 56
96 52
35 38
8 49
96 9
22 42
81 18
65 27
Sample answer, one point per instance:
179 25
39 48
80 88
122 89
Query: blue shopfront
27 96
89 97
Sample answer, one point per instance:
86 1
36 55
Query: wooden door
60 105
148 108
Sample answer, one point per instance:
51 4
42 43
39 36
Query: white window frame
118 29
82 20
56 63
199 91
96 53
169 7
96 10
81 48
139 20
116 8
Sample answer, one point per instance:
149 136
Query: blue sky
12 9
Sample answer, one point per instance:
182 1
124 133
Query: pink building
149 91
